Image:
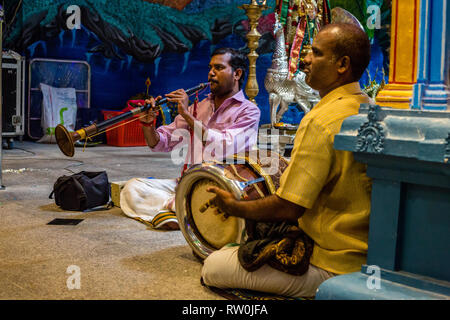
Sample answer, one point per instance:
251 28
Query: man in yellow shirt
324 189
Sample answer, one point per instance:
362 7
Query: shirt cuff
160 146
294 198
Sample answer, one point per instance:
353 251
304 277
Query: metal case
56 73
13 106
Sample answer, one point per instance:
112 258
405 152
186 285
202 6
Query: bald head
350 40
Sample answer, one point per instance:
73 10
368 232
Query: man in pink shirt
221 125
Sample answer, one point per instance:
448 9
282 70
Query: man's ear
343 64
238 73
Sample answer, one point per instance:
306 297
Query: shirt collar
238 96
339 92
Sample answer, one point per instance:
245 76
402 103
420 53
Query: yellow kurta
330 184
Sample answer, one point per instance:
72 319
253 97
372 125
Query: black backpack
81 191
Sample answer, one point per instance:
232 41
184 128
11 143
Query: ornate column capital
420 135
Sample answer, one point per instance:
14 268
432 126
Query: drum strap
256 165
261 194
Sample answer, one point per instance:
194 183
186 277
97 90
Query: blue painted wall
117 72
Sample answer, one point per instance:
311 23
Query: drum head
211 226
206 231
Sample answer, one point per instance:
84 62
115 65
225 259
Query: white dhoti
150 200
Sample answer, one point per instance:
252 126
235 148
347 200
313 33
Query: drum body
246 177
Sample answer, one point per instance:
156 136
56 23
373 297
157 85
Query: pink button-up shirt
232 128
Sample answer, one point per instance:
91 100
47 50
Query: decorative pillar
253 12
403 55
431 92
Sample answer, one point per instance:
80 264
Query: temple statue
282 90
296 24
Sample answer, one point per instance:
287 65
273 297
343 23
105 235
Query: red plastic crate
129 135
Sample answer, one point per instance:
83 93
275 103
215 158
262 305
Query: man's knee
217 265
211 268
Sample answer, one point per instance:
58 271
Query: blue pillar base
431 91
436 97
358 286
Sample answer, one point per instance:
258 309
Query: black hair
237 61
353 42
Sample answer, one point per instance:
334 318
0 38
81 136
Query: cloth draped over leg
282 246
150 201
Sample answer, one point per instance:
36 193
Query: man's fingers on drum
212 189
223 215
208 204
205 206
218 211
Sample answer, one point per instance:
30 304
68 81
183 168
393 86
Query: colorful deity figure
304 20
300 20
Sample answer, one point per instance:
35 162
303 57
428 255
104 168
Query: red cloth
130 107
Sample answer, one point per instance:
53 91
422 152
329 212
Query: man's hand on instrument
150 115
223 200
181 99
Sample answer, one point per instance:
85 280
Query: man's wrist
234 208
184 113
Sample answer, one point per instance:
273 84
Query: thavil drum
246 177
